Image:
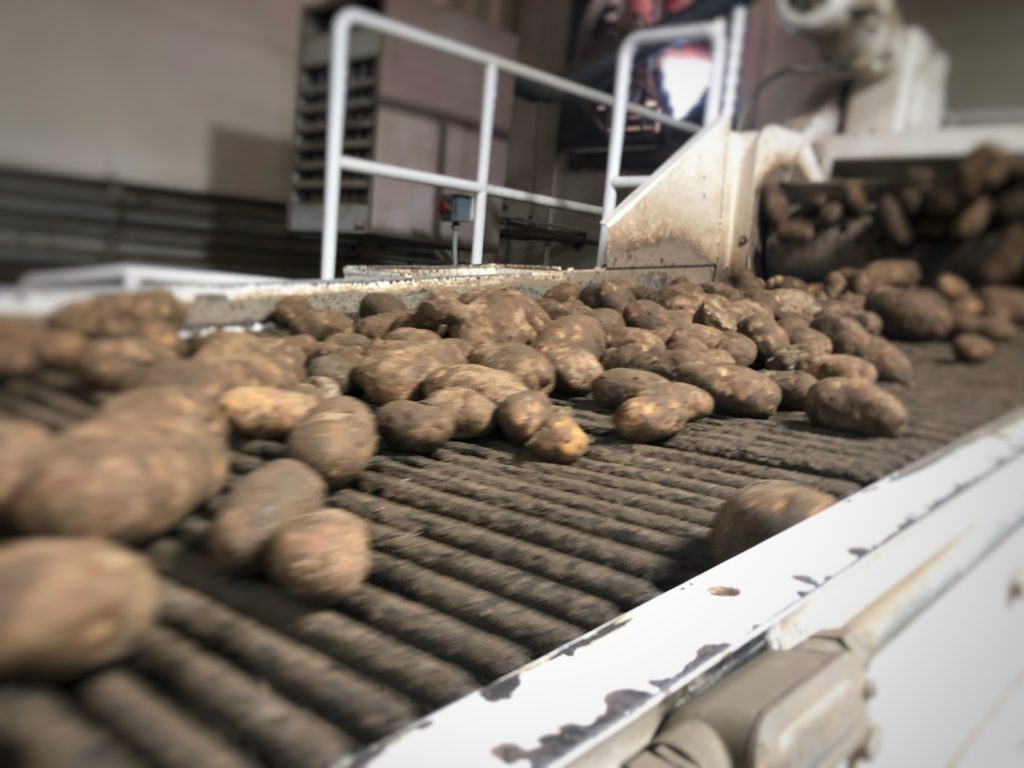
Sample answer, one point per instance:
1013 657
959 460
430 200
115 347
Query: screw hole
724 591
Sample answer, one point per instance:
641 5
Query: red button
443 207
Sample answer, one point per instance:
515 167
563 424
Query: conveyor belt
484 559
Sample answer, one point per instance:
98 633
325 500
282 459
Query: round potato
760 511
795 385
915 314
741 348
536 370
378 303
610 319
659 412
521 415
583 331
265 411
575 369
474 413
562 292
617 385
415 427
560 440
855 405
337 439
22 443
321 556
972 347
68 606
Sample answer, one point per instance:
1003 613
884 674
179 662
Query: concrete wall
193 96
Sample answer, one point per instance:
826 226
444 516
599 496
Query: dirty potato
767 335
265 411
397 370
492 383
902 273
795 385
855 405
378 303
257 506
68 606
61 348
741 348
619 384
846 366
337 439
321 556
581 331
115 363
914 314
737 391
659 412
415 427
760 511
972 347
22 443
521 415
575 369
560 440
299 316
535 369
474 413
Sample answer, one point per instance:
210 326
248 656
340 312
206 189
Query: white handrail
335 160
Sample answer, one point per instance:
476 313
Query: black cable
835 70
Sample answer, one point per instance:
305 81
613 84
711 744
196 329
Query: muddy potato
845 366
321 556
337 439
492 383
613 294
788 359
915 314
1004 300
380 325
741 348
768 336
61 348
760 511
815 342
22 443
562 292
855 405
19 356
710 337
68 606
536 370
646 340
265 411
320 388
968 304
792 322
835 284
718 312
257 505
149 314
902 273
299 316
995 328
644 313
500 316
737 391
894 220
337 366
797 301
557 309
614 386
474 413
951 285
437 309
378 303
581 331
628 355
972 347
693 353
575 369
398 370
115 363
610 319
521 415
560 440
795 385
659 412
681 295
850 338
415 426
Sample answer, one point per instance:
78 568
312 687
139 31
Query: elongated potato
337 439
847 366
415 427
521 415
617 385
575 369
855 405
258 504
398 371
581 331
972 347
265 411
68 606
915 314
951 285
560 440
741 348
22 443
115 363
659 412
562 292
609 318
299 316
902 273
474 413
760 511
492 383
321 556
795 385
815 342
767 335
641 337
535 369
997 328
123 314
737 391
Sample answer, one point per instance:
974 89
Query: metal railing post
713 105
334 135
734 59
483 160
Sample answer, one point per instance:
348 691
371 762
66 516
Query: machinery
532 614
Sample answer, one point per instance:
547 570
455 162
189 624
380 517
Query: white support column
483 160
334 140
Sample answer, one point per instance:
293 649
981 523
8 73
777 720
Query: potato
536 370
557 309
996 328
68 606
968 304
265 411
321 556
795 385
710 337
135 470
498 316
562 292
19 357
379 325
575 369
645 339
415 427
894 220
337 439
406 333
610 319
581 331
915 314
691 353
846 366
22 443
257 506
614 294
972 347
437 309
378 303
760 511
560 440
319 388
474 413
115 363
1004 300
521 415
494 384
797 301
337 366
796 229
299 316
788 359
614 386
742 349
61 348
659 412
644 313
987 167
241 359
681 295
147 314
855 405
902 273
718 312
767 335
737 391
398 371
952 285
815 342
835 284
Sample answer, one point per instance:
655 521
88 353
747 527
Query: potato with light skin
492 383
951 285
398 371
535 369
61 348
844 366
265 411
380 325
737 391
560 440
760 511
378 303
499 316
767 335
850 338
299 316
902 273
617 385
575 369
337 365
610 319
741 348
521 415
70 605
855 405
562 292
474 413
1004 300
258 504
995 328
659 412
581 331
795 385
914 314
815 342
337 438
322 556
116 363
415 426
644 338
22 443
710 337
972 347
